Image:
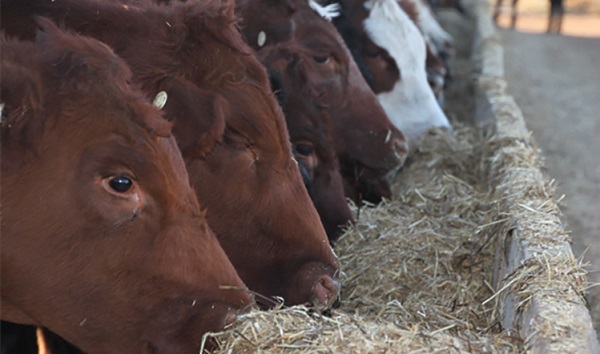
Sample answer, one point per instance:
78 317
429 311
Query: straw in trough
417 270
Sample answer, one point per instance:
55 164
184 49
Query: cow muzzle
325 292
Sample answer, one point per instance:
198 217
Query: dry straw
417 269
548 278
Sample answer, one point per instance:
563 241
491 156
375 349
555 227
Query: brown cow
309 92
391 53
370 149
293 74
229 127
306 101
103 240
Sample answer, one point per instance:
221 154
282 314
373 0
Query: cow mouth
370 184
266 303
187 334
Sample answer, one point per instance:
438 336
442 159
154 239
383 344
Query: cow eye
321 59
304 149
120 184
374 54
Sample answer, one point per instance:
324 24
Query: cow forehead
318 35
255 114
89 101
390 28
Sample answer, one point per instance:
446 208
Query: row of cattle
163 171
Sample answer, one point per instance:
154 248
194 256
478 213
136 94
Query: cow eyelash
321 59
375 54
255 156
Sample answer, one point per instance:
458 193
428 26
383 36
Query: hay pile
417 270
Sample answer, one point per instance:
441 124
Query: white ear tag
160 100
262 38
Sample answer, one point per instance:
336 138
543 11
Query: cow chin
323 282
375 191
208 318
370 185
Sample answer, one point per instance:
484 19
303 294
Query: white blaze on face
434 34
411 104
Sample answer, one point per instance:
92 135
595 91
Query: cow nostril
400 148
326 292
447 129
231 316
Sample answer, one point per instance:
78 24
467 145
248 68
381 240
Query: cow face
391 46
297 80
103 240
258 205
369 147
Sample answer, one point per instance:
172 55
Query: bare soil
555 79
582 17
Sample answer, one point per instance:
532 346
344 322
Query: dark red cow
369 148
294 77
103 240
298 81
229 127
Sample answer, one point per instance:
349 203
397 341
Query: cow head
391 53
297 80
256 200
103 239
369 147
231 130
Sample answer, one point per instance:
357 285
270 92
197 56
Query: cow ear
198 116
21 102
71 66
229 8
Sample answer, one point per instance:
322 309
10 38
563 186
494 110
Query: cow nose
326 292
436 80
400 149
437 83
231 316
447 128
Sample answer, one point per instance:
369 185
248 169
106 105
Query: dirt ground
555 79
582 18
